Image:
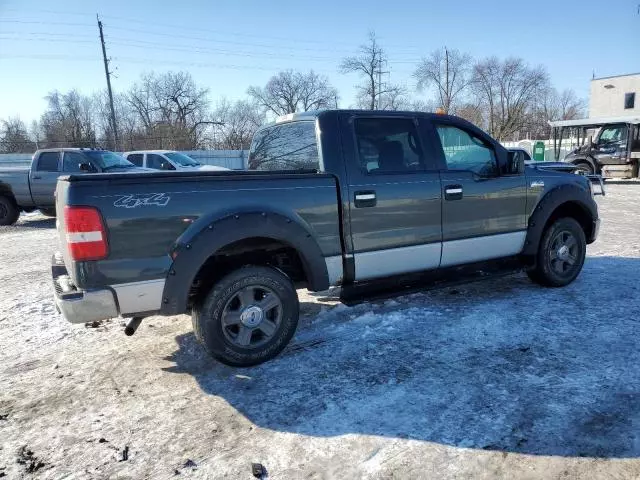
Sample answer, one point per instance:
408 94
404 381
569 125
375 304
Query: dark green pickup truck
331 198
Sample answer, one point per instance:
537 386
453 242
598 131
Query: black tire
584 168
561 254
9 211
222 320
48 212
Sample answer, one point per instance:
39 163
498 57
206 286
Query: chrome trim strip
453 190
468 250
382 263
366 196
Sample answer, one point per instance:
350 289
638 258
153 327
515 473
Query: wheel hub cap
563 252
252 316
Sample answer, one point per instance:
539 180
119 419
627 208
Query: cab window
388 145
71 162
48 162
288 146
465 151
135 158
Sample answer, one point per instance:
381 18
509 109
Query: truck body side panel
15 182
147 215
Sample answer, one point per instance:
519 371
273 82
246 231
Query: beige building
615 96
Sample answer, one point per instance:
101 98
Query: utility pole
108 75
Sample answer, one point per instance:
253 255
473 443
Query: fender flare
190 255
547 205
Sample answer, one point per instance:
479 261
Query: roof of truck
310 115
595 122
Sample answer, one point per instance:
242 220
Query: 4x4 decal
142 200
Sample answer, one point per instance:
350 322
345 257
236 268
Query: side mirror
516 162
84 167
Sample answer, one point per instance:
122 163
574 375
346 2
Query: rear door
43 178
483 209
394 196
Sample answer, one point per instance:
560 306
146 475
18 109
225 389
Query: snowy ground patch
499 379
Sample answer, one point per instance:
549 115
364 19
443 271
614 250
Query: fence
568 144
233 159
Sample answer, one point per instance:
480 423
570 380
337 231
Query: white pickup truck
167 160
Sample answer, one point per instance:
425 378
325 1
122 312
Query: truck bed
147 213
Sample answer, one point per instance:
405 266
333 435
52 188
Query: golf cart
613 152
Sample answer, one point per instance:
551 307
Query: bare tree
236 124
14 137
290 92
171 110
68 120
449 71
368 64
396 97
506 90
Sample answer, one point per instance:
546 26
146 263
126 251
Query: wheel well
5 191
250 251
575 211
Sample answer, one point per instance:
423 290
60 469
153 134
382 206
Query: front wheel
9 211
584 168
561 254
248 317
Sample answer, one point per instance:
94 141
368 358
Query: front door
44 177
611 148
483 211
395 200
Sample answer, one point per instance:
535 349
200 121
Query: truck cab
613 151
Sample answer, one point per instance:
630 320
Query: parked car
167 160
333 198
28 189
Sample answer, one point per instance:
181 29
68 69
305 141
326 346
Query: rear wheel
248 317
48 212
9 211
561 254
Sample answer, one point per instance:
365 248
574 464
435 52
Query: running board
384 289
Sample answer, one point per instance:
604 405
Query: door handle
36 177
365 199
453 192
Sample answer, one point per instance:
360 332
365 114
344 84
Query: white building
615 96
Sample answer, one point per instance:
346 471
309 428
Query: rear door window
388 145
136 158
289 146
48 162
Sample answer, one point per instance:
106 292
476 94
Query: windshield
613 134
182 159
109 160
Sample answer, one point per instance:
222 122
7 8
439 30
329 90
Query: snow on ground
499 379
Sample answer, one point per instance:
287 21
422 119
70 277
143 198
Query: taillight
86 235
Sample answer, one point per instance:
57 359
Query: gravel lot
499 379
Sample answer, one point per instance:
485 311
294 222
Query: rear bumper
80 306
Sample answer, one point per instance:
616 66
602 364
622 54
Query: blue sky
229 45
